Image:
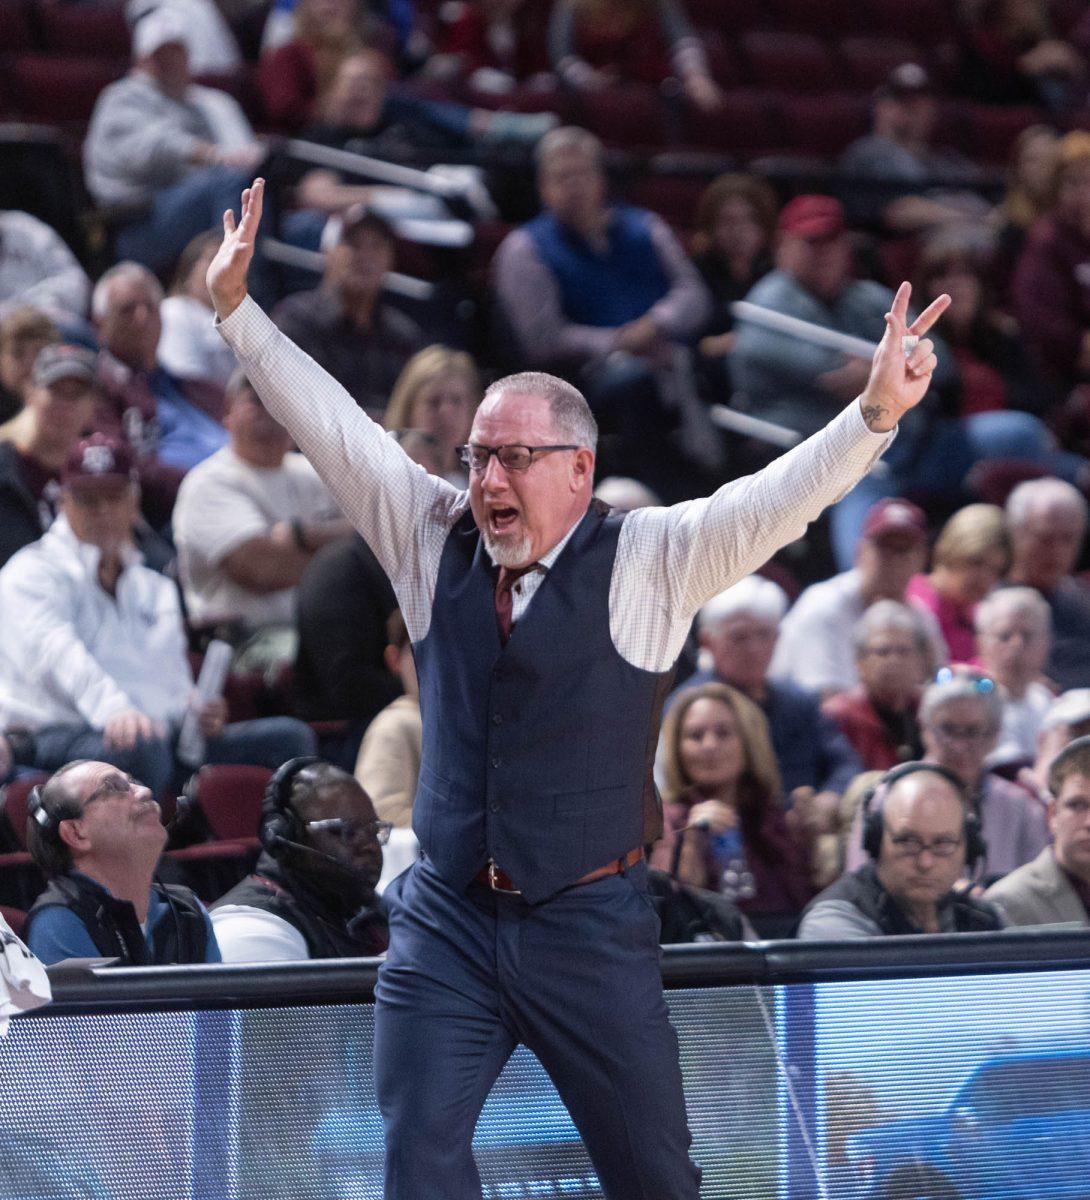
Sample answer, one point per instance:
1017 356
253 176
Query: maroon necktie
504 600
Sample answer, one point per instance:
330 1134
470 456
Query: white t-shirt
190 346
1021 724
246 934
223 503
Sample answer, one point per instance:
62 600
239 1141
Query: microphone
283 841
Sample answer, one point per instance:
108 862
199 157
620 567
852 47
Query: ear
582 470
69 834
391 658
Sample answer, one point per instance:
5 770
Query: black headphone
36 809
279 822
874 824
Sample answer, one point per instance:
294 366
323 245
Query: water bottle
735 878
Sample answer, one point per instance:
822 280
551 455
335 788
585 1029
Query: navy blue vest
604 290
537 754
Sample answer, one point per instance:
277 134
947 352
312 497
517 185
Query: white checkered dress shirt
669 561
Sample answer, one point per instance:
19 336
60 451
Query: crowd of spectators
149 505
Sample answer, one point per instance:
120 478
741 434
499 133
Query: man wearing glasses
919 838
96 834
312 893
545 630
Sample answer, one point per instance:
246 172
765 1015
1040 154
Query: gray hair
564 140
1037 494
755 596
570 412
961 687
892 614
100 297
1023 601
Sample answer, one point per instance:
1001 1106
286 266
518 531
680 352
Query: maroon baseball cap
97 461
894 515
812 217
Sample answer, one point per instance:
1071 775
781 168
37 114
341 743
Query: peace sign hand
226 277
900 374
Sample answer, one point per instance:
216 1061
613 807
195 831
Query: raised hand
226 276
898 379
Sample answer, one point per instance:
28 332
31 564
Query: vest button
495 760
497 719
494 806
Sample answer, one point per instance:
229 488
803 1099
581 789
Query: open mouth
502 520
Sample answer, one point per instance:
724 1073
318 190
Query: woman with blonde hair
971 555
437 392
725 827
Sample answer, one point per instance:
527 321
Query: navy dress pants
577 980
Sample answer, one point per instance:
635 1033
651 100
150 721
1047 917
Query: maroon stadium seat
823 17
58 88
13 805
731 16
791 62
825 125
229 797
991 130
15 32
15 917
626 116
748 125
85 29
869 60
932 19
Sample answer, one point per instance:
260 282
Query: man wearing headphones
921 840
312 894
97 835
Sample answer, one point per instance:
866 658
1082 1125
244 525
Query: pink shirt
955 620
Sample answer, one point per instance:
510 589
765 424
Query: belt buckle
494 880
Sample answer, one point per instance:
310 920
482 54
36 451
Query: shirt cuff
248 330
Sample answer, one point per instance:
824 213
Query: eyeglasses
949 732
350 831
909 846
512 458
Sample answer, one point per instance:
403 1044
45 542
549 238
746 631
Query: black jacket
275 889
20 516
112 925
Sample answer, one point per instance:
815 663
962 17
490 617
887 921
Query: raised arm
703 546
393 502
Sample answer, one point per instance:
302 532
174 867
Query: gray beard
507 553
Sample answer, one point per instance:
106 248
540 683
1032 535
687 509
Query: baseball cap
359 216
156 29
908 79
97 460
894 515
1072 708
65 361
812 217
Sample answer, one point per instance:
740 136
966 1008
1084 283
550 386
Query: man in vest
544 628
606 292
97 836
312 894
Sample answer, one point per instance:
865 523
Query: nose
494 477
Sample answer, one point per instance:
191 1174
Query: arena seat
61 88
731 16
15 32
823 17
626 115
791 62
825 125
84 29
229 798
990 130
869 60
750 124
15 917
933 18
13 805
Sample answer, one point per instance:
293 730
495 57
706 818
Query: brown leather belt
497 880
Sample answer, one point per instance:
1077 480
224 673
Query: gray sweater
141 140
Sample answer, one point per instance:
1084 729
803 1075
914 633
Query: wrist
878 415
